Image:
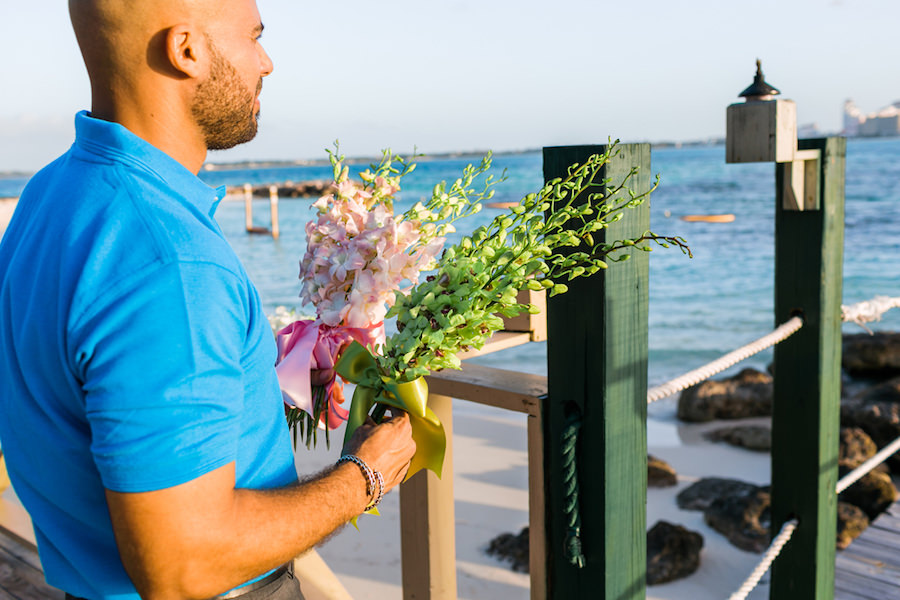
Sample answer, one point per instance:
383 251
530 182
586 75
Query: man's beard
223 107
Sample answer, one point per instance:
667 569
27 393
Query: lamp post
763 128
809 243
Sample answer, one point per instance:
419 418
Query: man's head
161 67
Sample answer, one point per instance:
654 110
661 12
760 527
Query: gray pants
283 587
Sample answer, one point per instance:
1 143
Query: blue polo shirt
134 351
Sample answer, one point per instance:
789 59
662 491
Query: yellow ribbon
357 365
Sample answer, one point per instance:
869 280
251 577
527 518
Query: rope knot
573 548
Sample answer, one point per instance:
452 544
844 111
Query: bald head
117 37
149 59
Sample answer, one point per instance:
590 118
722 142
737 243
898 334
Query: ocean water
700 308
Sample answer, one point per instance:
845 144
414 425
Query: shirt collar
114 141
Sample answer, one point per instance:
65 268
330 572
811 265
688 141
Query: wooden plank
273 210
499 341
889 540
427 523
761 131
873 567
888 521
874 552
808 271
597 367
15 520
248 206
19 578
534 324
512 390
842 594
868 551
317 580
537 544
855 576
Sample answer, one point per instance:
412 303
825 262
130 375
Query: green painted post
597 365
806 415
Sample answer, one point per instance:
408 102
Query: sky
460 75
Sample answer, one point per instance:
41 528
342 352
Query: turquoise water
700 307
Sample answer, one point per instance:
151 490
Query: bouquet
359 257
363 266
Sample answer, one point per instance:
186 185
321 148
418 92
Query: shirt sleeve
160 365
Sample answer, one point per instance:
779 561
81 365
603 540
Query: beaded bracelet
374 479
380 479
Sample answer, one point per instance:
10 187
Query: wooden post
273 206
248 206
537 508
597 365
428 523
806 413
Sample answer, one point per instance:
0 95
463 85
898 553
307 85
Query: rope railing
868 310
860 471
859 313
703 373
787 530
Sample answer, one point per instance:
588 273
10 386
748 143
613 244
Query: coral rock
752 437
872 356
747 394
673 552
852 521
743 519
512 548
660 473
700 495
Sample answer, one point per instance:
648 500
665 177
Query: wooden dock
869 569
21 576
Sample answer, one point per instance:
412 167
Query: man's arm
204 537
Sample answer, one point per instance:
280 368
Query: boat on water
723 218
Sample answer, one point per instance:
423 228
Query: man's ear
186 50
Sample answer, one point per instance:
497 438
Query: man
142 420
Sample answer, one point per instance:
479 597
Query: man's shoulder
107 223
116 204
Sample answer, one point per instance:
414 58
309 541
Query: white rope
857 473
717 366
787 530
868 310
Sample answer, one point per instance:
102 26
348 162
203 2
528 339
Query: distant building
884 123
852 118
809 130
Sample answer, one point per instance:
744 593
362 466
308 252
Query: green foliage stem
547 238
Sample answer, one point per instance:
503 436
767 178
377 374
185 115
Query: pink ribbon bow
307 353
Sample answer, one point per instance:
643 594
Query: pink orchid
359 254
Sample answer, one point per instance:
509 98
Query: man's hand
387 447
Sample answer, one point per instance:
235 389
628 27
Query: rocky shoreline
287 189
739 510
